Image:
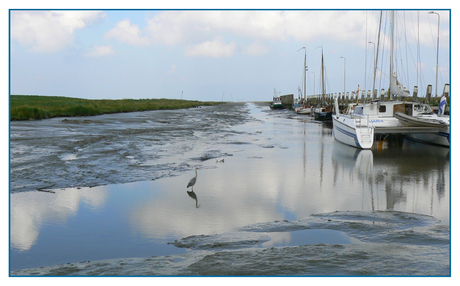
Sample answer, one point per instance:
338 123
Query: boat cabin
389 108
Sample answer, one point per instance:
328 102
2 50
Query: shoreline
36 107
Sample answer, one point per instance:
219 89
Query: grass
34 107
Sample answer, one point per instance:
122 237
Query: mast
376 56
304 79
395 86
322 73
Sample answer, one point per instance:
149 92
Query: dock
407 130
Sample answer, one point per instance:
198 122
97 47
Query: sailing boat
324 112
303 107
358 126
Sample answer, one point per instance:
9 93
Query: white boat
303 110
441 123
360 122
358 125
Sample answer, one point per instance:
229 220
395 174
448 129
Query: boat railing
361 120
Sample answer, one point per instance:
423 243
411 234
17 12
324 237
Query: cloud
129 33
256 49
49 31
100 51
172 70
215 48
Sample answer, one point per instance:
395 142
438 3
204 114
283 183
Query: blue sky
237 55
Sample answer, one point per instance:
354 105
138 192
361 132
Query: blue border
253 9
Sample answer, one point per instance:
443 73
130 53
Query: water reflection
404 178
31 210
193 196
304 172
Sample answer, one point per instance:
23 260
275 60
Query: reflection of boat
358 127
386 174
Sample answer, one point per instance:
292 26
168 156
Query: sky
214 55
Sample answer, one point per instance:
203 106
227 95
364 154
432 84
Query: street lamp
437 53
344 72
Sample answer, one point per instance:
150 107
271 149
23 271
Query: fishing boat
358 125
276 103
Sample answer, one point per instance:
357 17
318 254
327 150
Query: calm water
271 186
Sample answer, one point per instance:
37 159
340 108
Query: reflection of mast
322 159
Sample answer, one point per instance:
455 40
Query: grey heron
192 181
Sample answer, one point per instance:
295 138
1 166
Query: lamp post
344 72
437 54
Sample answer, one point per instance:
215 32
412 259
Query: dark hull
323 116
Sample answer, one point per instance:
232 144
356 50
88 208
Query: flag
442 104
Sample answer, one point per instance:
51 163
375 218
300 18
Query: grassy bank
30 107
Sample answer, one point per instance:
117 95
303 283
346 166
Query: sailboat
361 122
323 112
303 107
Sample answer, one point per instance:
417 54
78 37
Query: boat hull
300 110
323 116
442 138
276 106
346 132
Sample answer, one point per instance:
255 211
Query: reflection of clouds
29 210
313 175
278 238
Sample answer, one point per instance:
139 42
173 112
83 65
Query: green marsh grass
34 107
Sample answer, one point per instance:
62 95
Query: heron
192 181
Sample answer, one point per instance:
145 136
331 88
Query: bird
192 181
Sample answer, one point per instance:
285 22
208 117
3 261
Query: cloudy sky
239 55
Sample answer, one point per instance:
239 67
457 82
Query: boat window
423 108
359 110
383 108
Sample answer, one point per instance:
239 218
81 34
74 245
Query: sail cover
396 87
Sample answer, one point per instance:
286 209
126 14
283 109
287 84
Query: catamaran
358 125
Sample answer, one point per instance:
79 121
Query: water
275 195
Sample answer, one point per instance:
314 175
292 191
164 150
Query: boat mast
376 56
304 74
392 30
322 73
